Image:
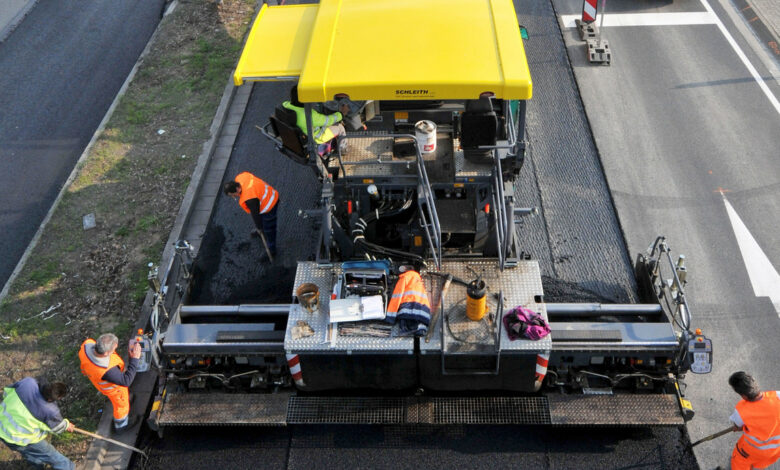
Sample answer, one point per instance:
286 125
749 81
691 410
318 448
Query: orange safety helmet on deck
253 187
759 446
118 394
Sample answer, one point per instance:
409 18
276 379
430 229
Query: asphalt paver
586 251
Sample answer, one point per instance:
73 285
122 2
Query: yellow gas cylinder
476 300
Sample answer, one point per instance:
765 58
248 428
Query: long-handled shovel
713 436
98 436
265 244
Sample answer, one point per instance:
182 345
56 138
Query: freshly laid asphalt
61 68
413 448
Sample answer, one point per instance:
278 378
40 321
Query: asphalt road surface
678 116
413 448
61 69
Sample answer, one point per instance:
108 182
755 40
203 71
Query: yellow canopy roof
277 44
392 49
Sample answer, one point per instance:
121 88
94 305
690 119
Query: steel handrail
432 213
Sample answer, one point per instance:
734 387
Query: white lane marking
763 276
647 19
761 83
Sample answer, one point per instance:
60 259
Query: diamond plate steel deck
324 278
202 409
519 285
467 169
615 410
467 334
374 154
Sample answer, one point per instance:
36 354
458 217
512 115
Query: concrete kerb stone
98 450
200 171
767 13
11 25
762 17
97 454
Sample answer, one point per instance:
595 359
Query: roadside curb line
16 20
98 453
209 147
760 26
98 449
79 163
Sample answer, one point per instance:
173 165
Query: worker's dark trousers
42 453
269 227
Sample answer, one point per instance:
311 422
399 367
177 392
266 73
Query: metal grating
201 409
341 410
491 410
615 410
194 409
418 410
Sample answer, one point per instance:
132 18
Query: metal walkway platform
552 410
201 409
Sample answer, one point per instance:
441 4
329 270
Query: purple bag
521 322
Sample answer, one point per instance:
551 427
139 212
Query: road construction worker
350 112
409 304
260 200
27 414
106 370
757 415
326 126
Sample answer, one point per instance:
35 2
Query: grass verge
78 284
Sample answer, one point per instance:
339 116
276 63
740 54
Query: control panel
700 354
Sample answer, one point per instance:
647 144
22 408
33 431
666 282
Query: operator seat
293 139
478 126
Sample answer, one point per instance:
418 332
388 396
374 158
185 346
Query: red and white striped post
294 363
589 10
542 360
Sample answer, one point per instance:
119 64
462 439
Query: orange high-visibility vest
760 439
410 299
253 187
118 394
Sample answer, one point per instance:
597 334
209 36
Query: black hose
378 249
358 233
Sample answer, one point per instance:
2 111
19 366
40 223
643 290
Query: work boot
131 422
